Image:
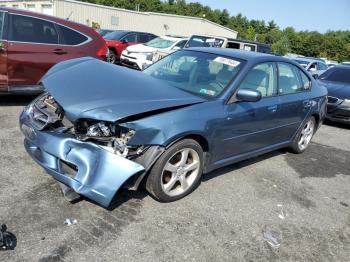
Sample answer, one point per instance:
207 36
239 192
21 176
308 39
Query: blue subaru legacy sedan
99 127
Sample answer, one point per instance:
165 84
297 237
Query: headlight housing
346 102
110 136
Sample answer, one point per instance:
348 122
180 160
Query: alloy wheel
306 134
180 172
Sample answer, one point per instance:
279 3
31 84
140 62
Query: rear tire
304 136
111 56
177 172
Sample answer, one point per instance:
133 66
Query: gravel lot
304 200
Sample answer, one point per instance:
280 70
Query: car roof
306 60
236 53
172 38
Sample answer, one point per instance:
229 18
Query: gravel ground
302 200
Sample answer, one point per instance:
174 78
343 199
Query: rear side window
306 83
262 78
143 38
288 81
2 21
71 37
32 30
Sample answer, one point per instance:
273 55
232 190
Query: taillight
102 52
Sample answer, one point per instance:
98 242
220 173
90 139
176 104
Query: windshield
204 41
160 43
337 74
116 35
202 74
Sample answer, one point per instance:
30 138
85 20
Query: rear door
294 91
32 49
3 54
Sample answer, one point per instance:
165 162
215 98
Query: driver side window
261 78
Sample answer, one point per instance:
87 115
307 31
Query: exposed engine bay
46 113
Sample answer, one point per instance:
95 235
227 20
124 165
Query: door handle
59 51
273 109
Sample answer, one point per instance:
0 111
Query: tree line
334 45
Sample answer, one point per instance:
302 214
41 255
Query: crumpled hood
92 89
336 89
140 48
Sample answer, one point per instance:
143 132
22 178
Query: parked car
337 81
314 66
223 42
194 111
142 55
103 32
118 40
32 43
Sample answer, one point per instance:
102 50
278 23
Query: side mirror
248 95
124 41
316 76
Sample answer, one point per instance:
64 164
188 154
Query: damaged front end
91 157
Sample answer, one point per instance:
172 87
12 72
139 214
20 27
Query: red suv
118 40
31 43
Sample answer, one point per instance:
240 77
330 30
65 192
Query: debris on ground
282 214
272 238
8 240
70 221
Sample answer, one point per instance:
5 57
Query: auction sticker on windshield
227 61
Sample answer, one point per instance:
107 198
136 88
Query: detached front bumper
83 166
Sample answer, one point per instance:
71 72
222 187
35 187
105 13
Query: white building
117 18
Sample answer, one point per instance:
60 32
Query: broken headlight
110 136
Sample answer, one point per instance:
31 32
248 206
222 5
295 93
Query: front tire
177 172
304 136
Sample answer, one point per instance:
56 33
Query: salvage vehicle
190 113
337 82
223 42
143 55
316 67
118 40
31 43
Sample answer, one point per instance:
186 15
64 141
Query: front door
250 126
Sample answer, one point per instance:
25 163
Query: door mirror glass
248 95
124 41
